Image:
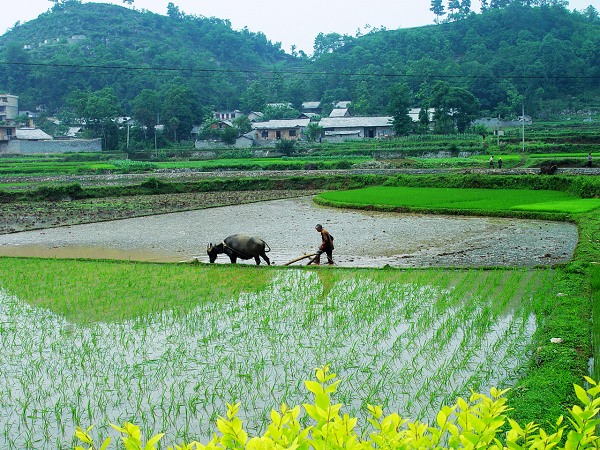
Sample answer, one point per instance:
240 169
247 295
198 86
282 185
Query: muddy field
16 217
362 238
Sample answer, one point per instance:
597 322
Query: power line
79 67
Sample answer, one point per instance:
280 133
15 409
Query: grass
90 296
460 199
104 350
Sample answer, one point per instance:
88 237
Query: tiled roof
339 112
311 105
279 124
32 134
353 122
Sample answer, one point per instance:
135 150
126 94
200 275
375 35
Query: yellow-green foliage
477 423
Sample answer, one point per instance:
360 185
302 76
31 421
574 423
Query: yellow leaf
152 441
314 387
582 395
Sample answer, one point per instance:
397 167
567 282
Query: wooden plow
300 258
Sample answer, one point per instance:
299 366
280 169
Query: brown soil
24 216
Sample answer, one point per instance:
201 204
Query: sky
291 23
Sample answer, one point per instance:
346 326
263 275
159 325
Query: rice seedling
465 199
407 340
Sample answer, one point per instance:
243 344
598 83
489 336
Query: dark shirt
327 240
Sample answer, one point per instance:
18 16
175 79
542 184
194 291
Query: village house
312 107
7 133
339 112
228 115
255 116
344 104
9 107
414 113
291 129
338 129
32 134
9 110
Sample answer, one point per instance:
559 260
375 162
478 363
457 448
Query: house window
278 134
264 134
292 133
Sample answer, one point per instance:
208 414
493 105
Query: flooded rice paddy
411 345
362 239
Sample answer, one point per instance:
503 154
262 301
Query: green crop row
484 201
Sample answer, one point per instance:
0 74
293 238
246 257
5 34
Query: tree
591 13
399 106
98 110
328 43
454 9
18 69
313 132
229 135
275 112
455 108
465 7
242 124
254 97
173 11
146 109
437 8
181 109
423 121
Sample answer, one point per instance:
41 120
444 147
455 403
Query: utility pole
155 139
523 126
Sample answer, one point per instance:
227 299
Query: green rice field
465 199
138 342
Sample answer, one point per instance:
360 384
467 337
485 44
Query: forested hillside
93 45
540 53
545 58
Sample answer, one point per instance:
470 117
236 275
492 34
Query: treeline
543 58
92 46
515 55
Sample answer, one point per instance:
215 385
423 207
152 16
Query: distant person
492 162
499 163
589 160
325 247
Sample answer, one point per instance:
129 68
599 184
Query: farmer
589 160
325 247
492 162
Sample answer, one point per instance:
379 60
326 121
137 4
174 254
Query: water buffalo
240 246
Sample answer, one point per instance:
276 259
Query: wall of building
67 146
284 134
9 107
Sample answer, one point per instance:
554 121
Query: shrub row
581 186
479 422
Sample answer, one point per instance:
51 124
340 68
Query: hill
84 46
543 54
544 57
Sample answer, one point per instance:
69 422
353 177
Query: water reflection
408 346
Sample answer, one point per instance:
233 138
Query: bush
286 146
476 423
